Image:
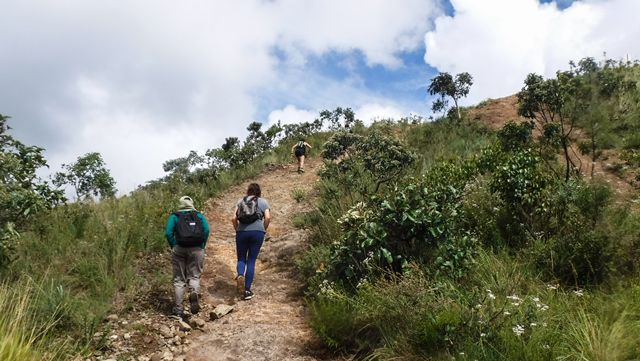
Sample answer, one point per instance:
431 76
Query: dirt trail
271 326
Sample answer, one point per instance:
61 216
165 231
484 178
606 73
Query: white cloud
374 111
500 41
290 114
156 79
368 113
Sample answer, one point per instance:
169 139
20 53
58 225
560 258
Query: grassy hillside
78 262
480 248
454 239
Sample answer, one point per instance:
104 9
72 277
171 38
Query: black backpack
248 210
189 230
300 148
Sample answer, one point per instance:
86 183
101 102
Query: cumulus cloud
500 41
290 115
371 112
368 113
159 78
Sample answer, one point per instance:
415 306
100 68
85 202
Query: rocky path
272 325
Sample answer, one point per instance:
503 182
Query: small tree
445 85
22 193
549 102
181 167
339 118
88 176
598 92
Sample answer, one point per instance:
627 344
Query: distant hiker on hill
187 232
300 150
251 217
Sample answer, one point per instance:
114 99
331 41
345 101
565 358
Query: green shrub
298 194
632 141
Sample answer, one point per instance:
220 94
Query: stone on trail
220 311
183 326
112 318
196 322
165 331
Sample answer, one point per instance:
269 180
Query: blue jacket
169 230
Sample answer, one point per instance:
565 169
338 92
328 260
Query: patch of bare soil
495 113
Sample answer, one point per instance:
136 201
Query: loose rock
196 322
165 331
183 326
220 311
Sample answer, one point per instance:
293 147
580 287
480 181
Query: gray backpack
248 210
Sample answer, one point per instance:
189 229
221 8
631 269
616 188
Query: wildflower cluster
520 313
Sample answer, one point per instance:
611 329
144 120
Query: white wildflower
552 287
491 295
514 298
483 334
533 324
578 293
518 330
507 313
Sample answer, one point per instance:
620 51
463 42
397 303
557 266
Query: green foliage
88 176
22 193
575 250
416 221
514 136
298 194
356 160
23 333
340 118
446 85
549 103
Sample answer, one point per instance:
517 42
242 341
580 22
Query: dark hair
254 190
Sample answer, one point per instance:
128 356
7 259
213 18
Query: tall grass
83 256
24 336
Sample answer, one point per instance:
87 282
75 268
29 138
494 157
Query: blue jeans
248 245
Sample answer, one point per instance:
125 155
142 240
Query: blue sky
158 79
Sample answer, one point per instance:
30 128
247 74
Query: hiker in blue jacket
187 232
251 218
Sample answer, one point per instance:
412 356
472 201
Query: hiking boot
240 285
247 295
194 302
177 311
301 170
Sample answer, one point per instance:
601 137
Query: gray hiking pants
187 268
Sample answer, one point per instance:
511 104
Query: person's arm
170 229
267 218
234 218
205 228
293 149
308 145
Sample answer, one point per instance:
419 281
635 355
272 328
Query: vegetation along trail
272 325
